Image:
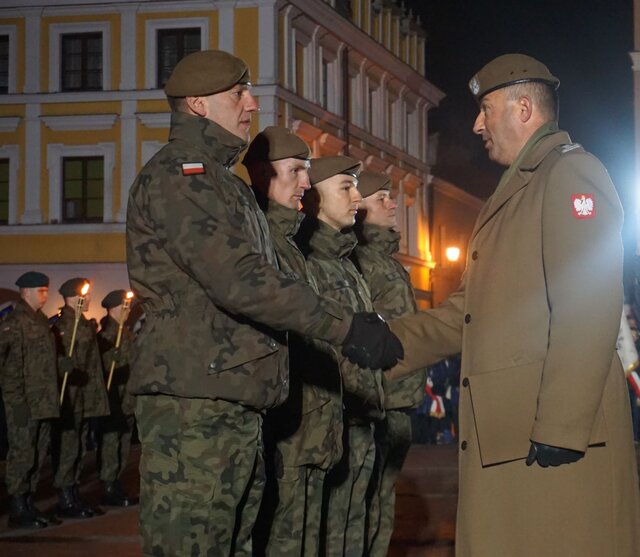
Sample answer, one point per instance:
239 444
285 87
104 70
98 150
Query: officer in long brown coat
547 465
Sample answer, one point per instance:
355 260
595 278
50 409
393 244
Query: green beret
510 69
325 167
32 279
371 182
72 287
275 143
206 72
114 298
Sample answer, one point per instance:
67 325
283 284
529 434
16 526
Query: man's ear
525 107
197 106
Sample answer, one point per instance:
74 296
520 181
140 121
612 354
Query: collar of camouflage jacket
282 220
329 243
207 136
384 240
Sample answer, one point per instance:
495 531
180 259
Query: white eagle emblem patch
583 205
474 85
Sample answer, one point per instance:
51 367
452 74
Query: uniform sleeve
429 336
582 254
12 361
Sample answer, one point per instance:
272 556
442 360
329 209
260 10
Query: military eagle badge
583 206
189 168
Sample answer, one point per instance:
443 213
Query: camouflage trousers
201 476
29 442
393 440
346 487
69 445
115 443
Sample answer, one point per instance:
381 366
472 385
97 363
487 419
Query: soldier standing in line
303 437
326 236
208 360
85 397
117 427
392 296
29 382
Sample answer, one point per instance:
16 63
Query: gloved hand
370 343
65 364
546 455
116 356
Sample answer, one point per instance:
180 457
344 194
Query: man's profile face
232 109
73 302
380 209
338 201
289 182
35 297
497 124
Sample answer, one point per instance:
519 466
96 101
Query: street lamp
452 253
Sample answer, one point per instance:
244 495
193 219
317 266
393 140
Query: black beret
114 298
72 287
326 167
370 182
275 143
510 69
206 72
32 279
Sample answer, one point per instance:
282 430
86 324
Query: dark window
82 189
4 191
81 62
173 46
4 64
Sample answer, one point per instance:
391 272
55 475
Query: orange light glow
85 289
452 253
129 295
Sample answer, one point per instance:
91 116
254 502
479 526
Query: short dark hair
177 104
542 95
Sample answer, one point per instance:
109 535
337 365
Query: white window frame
12 152
10 31
152 26
56 152
56 30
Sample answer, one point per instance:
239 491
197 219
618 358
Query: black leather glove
116 356
370 343
546 455
65 364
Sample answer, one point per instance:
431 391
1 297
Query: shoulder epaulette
566 148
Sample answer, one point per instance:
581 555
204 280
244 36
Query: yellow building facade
82 109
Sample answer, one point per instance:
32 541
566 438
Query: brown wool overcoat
536 319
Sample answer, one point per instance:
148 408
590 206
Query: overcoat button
463 445
467 318
465 382
474 255
212 366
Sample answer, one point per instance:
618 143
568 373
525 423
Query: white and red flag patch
634 379
583 206
189 168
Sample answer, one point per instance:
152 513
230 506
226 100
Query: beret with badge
114 298
326 167
370 182
275 143
206 72
32 279
510 69
72 287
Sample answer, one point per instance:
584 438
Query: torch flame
85 289
129 295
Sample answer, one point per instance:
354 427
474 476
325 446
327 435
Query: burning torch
83 292
124 313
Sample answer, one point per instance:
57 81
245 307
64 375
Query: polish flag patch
634 379
189 168
583 206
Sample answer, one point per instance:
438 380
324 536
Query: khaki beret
114 298
72 287
370 182
510 69
32 279
206 72
275 143
325 167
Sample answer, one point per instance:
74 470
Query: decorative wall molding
154 119
80 122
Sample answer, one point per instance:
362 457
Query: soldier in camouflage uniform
392 296
29 383
304 435
85 397
331 206
208 361
116 428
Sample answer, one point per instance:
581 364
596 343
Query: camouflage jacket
85 393
120 401
307 429
337 278
200 259
392 296
28 362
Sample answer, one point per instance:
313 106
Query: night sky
585 43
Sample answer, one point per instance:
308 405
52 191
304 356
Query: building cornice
88 228
84 122
9 123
